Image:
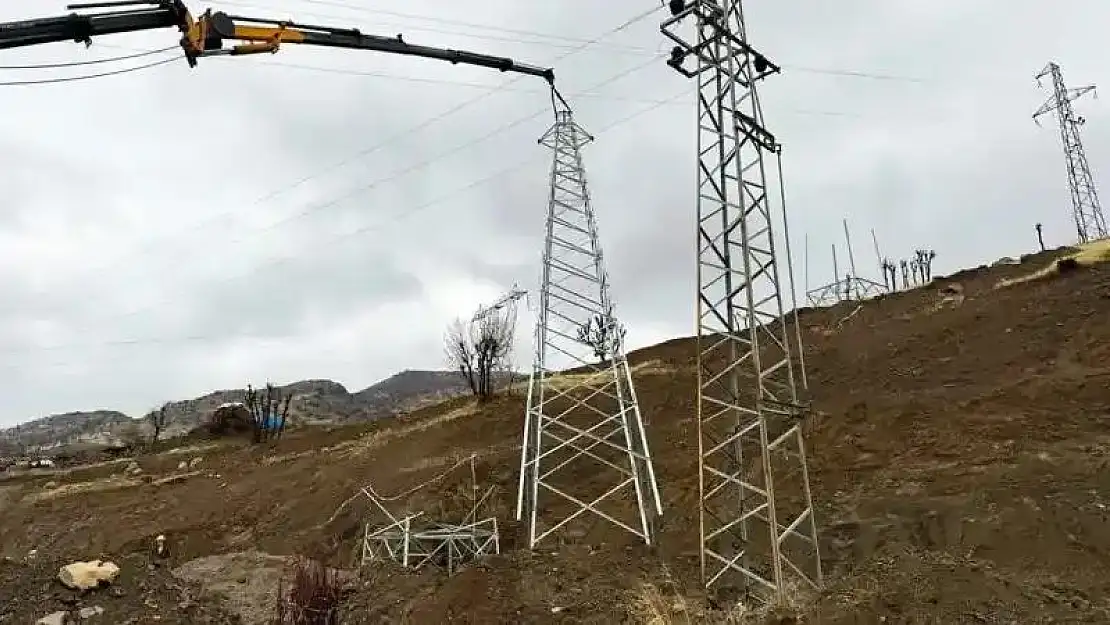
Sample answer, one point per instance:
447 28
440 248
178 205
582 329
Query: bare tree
269 412
599 332
493 345
157 419
460 353
890 274
925 262
480 349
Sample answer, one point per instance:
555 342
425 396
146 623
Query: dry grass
1085 255
564 381
313 596
650 606
190 449
374 440
113 482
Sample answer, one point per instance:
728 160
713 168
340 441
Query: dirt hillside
958 448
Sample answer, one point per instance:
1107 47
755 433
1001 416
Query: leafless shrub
269 412
599 333
311 595
480 349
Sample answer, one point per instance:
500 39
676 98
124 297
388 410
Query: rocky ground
143 593
958 450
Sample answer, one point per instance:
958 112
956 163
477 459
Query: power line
455 22
378 146
562 41
315 207
328 244
117 72
123 57
477 85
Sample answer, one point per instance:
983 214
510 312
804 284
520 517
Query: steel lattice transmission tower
584 451
758 532
1090 223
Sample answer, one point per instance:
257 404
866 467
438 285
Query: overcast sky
154 244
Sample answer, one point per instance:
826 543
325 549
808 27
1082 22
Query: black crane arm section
265 35
82 28
206 35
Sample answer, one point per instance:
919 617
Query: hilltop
958 450
314 401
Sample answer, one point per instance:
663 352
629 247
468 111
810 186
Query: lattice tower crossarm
585 453
757 525
1090 223
507 300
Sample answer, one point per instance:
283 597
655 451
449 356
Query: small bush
310 597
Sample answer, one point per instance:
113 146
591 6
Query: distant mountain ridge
313 402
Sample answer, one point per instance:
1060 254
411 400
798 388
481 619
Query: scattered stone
195 461
952 288
182 466
88 575
50 484
89 612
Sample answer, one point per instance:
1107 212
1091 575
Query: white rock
57 618
87 575
89 612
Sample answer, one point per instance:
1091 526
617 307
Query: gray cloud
132 203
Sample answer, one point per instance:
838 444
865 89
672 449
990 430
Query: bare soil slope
958 450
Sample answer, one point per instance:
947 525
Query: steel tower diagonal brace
584 454
757 525
1090 223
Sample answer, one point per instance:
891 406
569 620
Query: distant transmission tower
1090 224
758 532
584 449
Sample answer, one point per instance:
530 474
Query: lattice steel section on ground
850 289
1090 223
758 533
438 544
412 542
584 454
